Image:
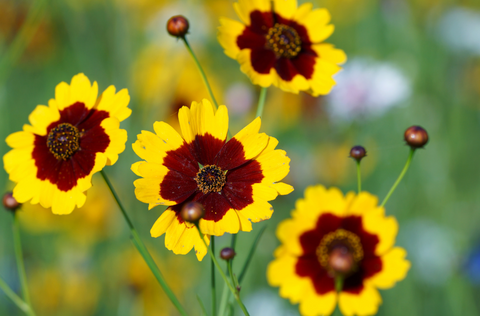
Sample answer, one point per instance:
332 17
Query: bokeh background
410 62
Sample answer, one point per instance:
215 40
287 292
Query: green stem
212 272
407 164
224 277
232 276
204 311
143 250
20 265
14 297
27 31
359 177
204 77
261 102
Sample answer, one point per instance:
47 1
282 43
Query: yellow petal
362 304
394 269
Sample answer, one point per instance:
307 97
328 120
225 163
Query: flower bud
341 261
358 152
177 26
192 212
9 202
416 137
227 253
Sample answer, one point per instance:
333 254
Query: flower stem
17 244
224 277
14 297
212 272
359 177
400 177
143 250
204 77
261 102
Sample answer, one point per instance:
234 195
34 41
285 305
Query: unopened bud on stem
416 137
358 152
177 26
192 212
10 203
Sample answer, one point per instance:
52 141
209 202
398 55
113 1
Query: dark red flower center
63 141
340 252
283 40
210 179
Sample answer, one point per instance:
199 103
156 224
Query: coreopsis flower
76 135
233 180
330 237
280 44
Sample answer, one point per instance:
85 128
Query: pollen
340 238
284 41
63 141
210 179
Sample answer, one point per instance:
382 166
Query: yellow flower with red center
281 44
76 135
332 236
233 180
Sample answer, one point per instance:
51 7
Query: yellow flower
282 45
331 235
76 135
233 180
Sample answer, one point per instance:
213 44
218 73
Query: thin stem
261 102
224 277
359 177
143 250
232 276
17 244
407 164
204 77
204 312
14 297
212 272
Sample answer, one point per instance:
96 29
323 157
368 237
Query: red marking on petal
285 69
250 39
232 155
93 139
177 186
309 266
205 147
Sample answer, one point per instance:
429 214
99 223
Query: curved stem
142 249
400 177
204 77
14 297
212 271
359 177
224 277
20 265
261 102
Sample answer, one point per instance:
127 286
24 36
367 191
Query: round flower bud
416 137
192 212
341 261
358 152
9 202
227 253
177 26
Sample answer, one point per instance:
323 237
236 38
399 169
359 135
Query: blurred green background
410 62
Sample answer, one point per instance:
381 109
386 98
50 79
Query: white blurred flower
432 250
459 30
367 88
239 98
265 302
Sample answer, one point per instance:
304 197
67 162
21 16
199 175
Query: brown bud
341 260
227 253
416 137
9 202
358 152
192 212
177 26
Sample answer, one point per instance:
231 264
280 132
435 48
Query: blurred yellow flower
332 236
283 45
